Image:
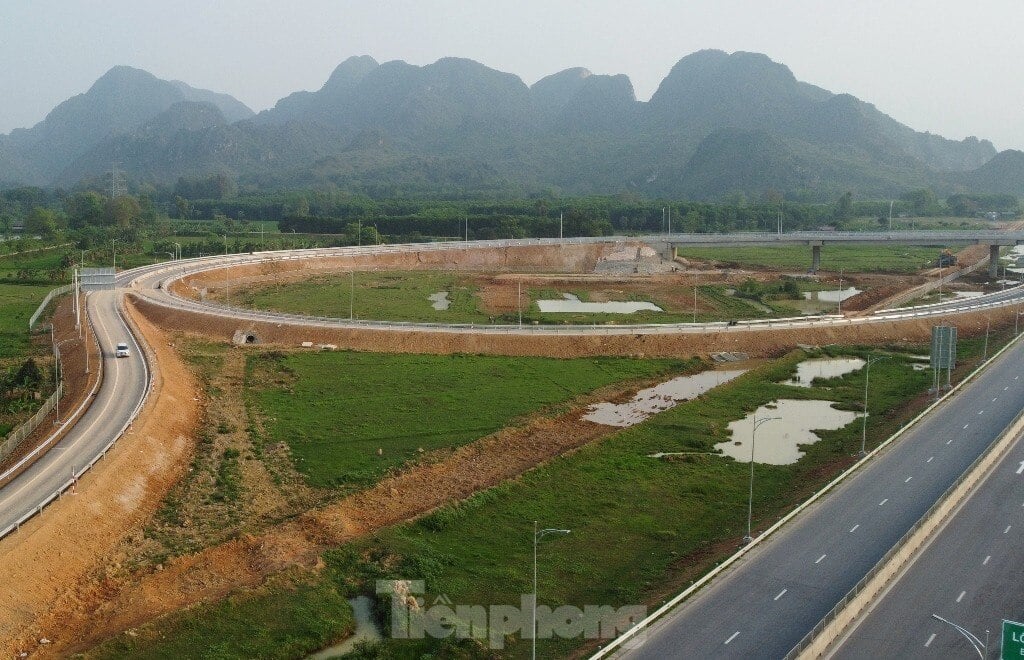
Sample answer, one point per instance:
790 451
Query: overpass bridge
816 239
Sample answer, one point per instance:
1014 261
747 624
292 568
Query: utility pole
891 202
352 295
694 298
519 301
864 422
227 274
559 225
750 503
537 536
839 297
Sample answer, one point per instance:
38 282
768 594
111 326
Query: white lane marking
949 441
1007 530
979 412
930 459
732 637
101 416
961 596
994 399
985 563
781 594
882 503
931 638
854 528
967 424
1006 388
820 558
907 481
1020 470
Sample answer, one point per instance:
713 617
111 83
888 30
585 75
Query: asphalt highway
972 573
123 388
763 607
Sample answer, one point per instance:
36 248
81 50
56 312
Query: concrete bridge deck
816 239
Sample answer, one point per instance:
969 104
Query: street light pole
864 418
352 295
750 503
537 536
839 294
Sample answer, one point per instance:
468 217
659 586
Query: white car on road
121 350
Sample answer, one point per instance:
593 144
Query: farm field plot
350 417
850 258
679 517
495 299
17 303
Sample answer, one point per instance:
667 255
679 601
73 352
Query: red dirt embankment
57 563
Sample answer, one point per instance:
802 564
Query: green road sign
1013 640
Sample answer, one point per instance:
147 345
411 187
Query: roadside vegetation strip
711 575
350 417
678 515
286 618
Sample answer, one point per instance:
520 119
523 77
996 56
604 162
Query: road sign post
1013 640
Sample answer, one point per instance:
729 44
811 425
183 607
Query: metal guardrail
809 638
77 473
990 301
668 606
59 291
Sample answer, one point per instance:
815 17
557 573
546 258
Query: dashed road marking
967 424
1007 530
820 558
781 594
985 563
732 637
930 459
907 480
980 412
854 528
961 596
882 503
931 638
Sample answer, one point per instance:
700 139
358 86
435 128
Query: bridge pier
815 257
993 261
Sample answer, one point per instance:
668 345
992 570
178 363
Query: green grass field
404 296
336 410
640 526
850 258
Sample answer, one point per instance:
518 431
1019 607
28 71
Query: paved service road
972 574
779 592
123 388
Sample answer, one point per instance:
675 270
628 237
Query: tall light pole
988 326
113 253
177 249
694 298
891 202
519 301
864 418
750 503
839 295
352 295
537 536
227 269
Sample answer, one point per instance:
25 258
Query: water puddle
440 300
778 441
655 399
831 296
808 370
366 631
571 303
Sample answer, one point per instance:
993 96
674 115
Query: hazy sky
947 66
